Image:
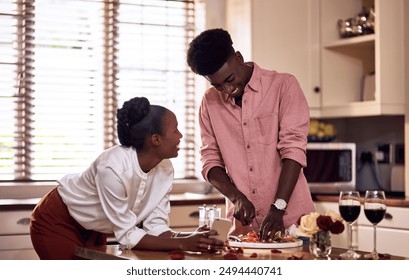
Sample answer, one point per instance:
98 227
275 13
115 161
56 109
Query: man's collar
254 82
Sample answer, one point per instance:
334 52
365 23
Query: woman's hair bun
138 119
133 111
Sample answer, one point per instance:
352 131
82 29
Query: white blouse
115 196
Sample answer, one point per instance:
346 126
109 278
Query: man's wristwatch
280 204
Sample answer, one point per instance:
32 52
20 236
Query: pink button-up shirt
250 141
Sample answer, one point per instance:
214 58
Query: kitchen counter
217 198
114 252
175 199
193 199
390 201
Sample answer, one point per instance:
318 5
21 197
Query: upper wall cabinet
345 62
302 38
280 35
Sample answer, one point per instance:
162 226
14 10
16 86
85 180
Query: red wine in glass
375 215
349 208
375 210
349 212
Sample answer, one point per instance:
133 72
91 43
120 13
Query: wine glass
375 210
349 208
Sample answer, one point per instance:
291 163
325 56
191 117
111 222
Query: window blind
65 68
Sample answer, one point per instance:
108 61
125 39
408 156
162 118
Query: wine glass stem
374 239
350 237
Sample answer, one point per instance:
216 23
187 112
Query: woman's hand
201 242
202 228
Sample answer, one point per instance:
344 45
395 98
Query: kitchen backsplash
371 134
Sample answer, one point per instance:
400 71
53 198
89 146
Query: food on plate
286 239
252 240
253 237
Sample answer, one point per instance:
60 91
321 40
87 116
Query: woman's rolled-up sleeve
157 222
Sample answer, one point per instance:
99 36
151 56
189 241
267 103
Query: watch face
280 204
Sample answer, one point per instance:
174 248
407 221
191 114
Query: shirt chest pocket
267 129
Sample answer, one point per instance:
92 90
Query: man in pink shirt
254 125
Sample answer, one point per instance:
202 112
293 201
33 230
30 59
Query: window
66 66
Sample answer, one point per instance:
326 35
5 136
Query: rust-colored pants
55 234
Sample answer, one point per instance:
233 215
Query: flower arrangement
314 222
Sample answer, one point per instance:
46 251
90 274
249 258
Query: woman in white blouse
125 191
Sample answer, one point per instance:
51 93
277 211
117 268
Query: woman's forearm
159 243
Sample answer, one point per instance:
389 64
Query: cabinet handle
194 214
388 216
23 221
317 89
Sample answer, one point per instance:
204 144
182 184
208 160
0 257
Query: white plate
261 245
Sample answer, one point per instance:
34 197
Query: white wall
215 14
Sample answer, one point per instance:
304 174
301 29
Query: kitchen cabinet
344 62
282 36
301 37
286 39
392 233
15 241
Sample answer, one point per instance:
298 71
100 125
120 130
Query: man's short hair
209 51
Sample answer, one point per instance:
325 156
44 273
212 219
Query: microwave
331 167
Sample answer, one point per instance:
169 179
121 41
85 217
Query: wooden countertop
390 201
192 199
195 198
175 199
114 252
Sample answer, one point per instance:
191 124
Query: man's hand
244 210
271 224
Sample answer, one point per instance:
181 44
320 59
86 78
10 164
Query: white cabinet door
17 247
389 241
282 36
24 254
392 233
14 222
15 241
285 37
